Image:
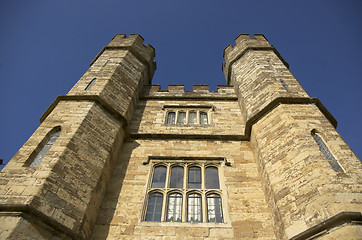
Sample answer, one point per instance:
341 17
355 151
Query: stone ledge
93 98
335 221
254 119
34 216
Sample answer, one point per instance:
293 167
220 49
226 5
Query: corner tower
311 178
54 185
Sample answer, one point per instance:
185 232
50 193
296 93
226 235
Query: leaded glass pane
203 118
194 180
192 118
212 178
53 138
171 118
327 154
174 212
154 208
159 177
214 208
181 118
177 177
91 83
194 208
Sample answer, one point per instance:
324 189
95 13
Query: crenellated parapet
134 44
223 92
245 43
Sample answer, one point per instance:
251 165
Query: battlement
244 43
198 91
134 44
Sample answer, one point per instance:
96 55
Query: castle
118 158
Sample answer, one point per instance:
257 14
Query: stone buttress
60 198
306 196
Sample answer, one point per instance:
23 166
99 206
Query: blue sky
46 46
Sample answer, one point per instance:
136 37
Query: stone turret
59 195
306 193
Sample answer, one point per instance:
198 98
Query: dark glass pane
159 177
154 207
214 208
90 84
203 118
212 178
192 118
194 180
181 119
284 85
174 211
194 208
327 154
335 166
177 177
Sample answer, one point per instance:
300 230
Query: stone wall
246 213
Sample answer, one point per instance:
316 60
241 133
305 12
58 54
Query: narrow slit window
214 208
203 118
174 212
39 157
181 118
177 177
154 208
284 84
159 177
171 118
327 154
194 181
194 208
91 83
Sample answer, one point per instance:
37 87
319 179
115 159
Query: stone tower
118 158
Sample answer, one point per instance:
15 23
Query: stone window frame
187 109
327 153
90 84
166 190
37 156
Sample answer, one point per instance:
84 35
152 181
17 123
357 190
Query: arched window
180 192
212 178
159 177
214 208
39 157
194 208
154 208
327 154
174 212
171 118
194 180
177 177
91 83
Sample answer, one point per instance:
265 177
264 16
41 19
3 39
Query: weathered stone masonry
276 183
